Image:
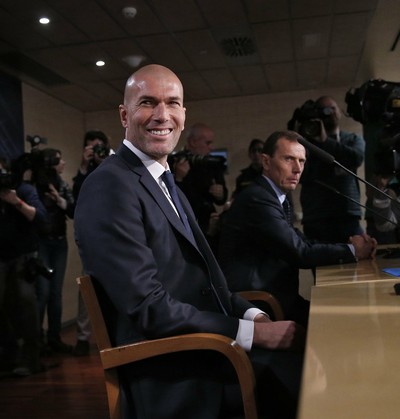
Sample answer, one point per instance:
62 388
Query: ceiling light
44 20
129 12
100 63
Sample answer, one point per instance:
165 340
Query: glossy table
363 271
352 359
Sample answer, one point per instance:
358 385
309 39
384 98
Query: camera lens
310 129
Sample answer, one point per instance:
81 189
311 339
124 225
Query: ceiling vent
239 46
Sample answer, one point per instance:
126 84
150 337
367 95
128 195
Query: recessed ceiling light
100 63
134 60
44 20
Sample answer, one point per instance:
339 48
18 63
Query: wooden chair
113 357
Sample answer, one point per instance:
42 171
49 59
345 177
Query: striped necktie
168 179
287 208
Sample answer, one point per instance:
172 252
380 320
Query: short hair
253 143
196 130
49 156
95 135
270 143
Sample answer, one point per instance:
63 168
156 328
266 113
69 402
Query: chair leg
113 393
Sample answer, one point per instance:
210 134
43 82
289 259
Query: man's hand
10 196
213 224
279 335
217 191
364 246
321 138
87 156
181 169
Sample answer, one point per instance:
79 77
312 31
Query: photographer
328 217
95 150
21 213
57 198
200 176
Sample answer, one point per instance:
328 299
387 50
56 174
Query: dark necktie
168 179
287 208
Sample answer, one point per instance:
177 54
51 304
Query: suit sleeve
266 223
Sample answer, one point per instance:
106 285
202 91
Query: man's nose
161 112
297 167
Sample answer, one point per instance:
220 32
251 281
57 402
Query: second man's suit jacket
259 250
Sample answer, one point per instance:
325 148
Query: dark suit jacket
259 250
153 279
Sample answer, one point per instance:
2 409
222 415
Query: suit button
206 291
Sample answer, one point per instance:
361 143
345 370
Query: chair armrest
267 297
121 355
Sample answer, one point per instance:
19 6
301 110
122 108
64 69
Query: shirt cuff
353 250
245 333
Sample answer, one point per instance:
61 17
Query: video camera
34 267
306 120
7 180
378 101
208 162
35 140
101 150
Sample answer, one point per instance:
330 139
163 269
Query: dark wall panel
11 117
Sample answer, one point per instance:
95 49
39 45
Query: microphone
328 158
322 154
353 200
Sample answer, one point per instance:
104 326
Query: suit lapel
155 191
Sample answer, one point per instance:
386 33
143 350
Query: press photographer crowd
36 202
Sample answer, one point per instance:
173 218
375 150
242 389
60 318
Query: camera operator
57 197
21 213
95 150
201 176
328 217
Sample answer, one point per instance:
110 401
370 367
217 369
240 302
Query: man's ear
265 160
123 116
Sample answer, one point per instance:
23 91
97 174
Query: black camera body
7 180
34 267
101 150
378 102
207 162
306 120
375 101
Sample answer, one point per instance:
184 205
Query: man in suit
155 278
260 249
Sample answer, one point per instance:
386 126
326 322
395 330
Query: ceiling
218 48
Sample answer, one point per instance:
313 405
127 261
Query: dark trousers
19 310
202 385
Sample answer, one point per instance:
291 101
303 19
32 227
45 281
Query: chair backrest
103 342
112 357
